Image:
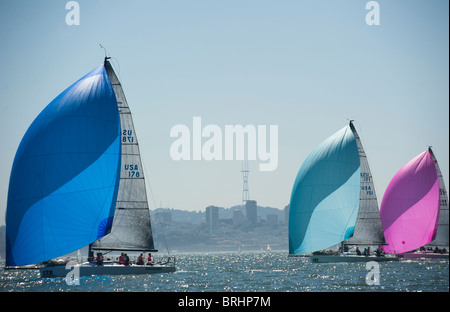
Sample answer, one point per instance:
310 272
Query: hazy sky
306 66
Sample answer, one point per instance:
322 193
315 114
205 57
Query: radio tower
245 192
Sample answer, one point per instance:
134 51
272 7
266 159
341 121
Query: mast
131 229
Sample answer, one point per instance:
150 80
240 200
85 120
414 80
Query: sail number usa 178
132 170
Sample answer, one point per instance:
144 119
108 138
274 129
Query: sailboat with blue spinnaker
77 181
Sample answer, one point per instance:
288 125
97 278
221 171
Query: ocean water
250 272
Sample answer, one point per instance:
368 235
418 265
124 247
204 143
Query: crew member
99 259
150 259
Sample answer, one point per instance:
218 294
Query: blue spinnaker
65 176
325 197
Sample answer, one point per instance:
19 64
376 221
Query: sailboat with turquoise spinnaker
77 181
333 202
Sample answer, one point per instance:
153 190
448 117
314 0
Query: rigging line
154 202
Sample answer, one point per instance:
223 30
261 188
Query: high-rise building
212 218
286 214
238 218
251 211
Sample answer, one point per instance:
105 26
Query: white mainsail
442 232
368 227
131 229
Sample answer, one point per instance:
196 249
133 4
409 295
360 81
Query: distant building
251 211
286 214
238 218
212 218
272 220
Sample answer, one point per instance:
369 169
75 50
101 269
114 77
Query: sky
306 66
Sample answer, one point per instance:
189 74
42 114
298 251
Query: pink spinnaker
410 207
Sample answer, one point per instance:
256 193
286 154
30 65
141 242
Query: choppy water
248 272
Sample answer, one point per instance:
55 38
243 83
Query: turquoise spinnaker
325 197
65 176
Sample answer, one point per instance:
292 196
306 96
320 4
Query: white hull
349 258
423 255
87 269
